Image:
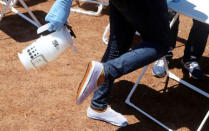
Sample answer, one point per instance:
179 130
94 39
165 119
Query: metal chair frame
170 75
100 4
10 3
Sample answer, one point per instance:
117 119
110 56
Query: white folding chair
187 12
104 37
100 3
10 3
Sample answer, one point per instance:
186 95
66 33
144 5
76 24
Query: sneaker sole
85 87
111 122
190 74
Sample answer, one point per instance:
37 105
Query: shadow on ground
176 63
178 107
24 31
181 40
31 2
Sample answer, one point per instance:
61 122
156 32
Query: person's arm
58 14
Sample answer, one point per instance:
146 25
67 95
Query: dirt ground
44 99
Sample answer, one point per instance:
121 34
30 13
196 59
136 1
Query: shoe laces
192 65
160 62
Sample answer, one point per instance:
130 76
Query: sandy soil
44 99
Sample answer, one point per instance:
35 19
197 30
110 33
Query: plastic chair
190 13
100 4
10 3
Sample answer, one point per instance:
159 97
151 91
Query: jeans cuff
100 108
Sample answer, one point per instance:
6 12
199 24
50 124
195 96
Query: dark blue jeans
196 42
150 18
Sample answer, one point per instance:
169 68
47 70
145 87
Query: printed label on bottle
38 61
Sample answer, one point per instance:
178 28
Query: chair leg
127 101
104 37
10 4
203 122
107 28
171 75
5 8
136 84
14 2
30 13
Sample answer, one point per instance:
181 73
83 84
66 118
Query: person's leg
194 48
154 30
121 36
149 17
144 54
173 37
158 69
196 42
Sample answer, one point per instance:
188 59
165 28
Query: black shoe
194 69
